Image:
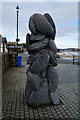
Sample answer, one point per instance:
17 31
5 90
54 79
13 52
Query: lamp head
17 8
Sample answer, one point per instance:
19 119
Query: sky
64 14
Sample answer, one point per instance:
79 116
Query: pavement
14 102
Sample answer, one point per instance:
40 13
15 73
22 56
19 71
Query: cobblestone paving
14 102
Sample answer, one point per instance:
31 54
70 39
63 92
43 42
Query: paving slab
14 104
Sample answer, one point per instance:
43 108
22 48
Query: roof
15 47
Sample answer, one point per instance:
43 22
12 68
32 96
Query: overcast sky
65 15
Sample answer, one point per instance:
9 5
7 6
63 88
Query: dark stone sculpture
43 25
42 78
36 37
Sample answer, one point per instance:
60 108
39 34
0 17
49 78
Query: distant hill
69 49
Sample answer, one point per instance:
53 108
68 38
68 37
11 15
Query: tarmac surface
14 102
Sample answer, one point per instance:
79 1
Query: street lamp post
17 40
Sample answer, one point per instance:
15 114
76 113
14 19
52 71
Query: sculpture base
43 105
40 96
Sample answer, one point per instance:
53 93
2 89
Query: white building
3 42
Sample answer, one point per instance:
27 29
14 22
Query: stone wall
8 60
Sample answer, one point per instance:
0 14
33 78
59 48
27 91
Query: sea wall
8 60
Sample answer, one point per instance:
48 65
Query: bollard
73 59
